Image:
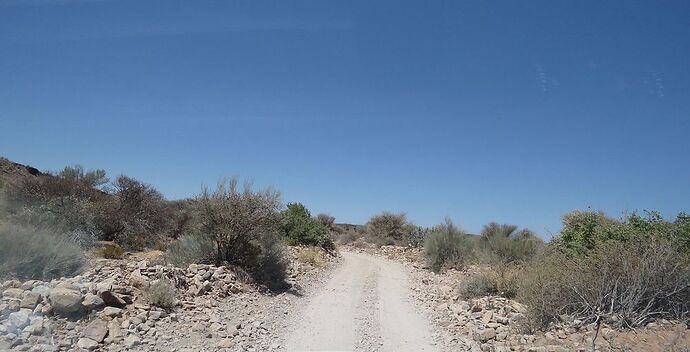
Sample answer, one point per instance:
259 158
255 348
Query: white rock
65 301
87 344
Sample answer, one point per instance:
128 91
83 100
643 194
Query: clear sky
515 111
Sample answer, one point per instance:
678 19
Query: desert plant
236 220
112 251
622 283
161 293
272 263
301 229
38 253
136 216
189 249
447 246
327 220
477 285
312 256
503 245
387 228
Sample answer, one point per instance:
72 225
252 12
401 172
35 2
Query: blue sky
482 111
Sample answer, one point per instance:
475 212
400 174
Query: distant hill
13 173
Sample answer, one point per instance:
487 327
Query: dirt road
364 306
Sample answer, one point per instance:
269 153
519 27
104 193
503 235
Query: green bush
38 253
161 293
301 229
190 249
447 246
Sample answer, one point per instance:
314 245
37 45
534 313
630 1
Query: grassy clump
161 293
190 249
112 251
38 253
312 256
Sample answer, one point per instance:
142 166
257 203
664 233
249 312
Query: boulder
65 301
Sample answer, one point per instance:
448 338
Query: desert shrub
190 249
386 228
416 235
504 245
623 283
348 237
301 229
326 220
477 285
272 262
112 251
312 256
504 283
447 246
38 253
136 216
161 293
236 220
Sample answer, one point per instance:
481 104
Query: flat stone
96 330
30 300
132 340
87 344
111 312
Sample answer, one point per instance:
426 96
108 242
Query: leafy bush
623 283
161 293
190 249
112 251
301 229
447 246
38 253
235 221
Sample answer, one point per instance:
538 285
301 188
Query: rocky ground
365 300
105 309
497 324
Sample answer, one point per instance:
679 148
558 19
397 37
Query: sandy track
364 306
